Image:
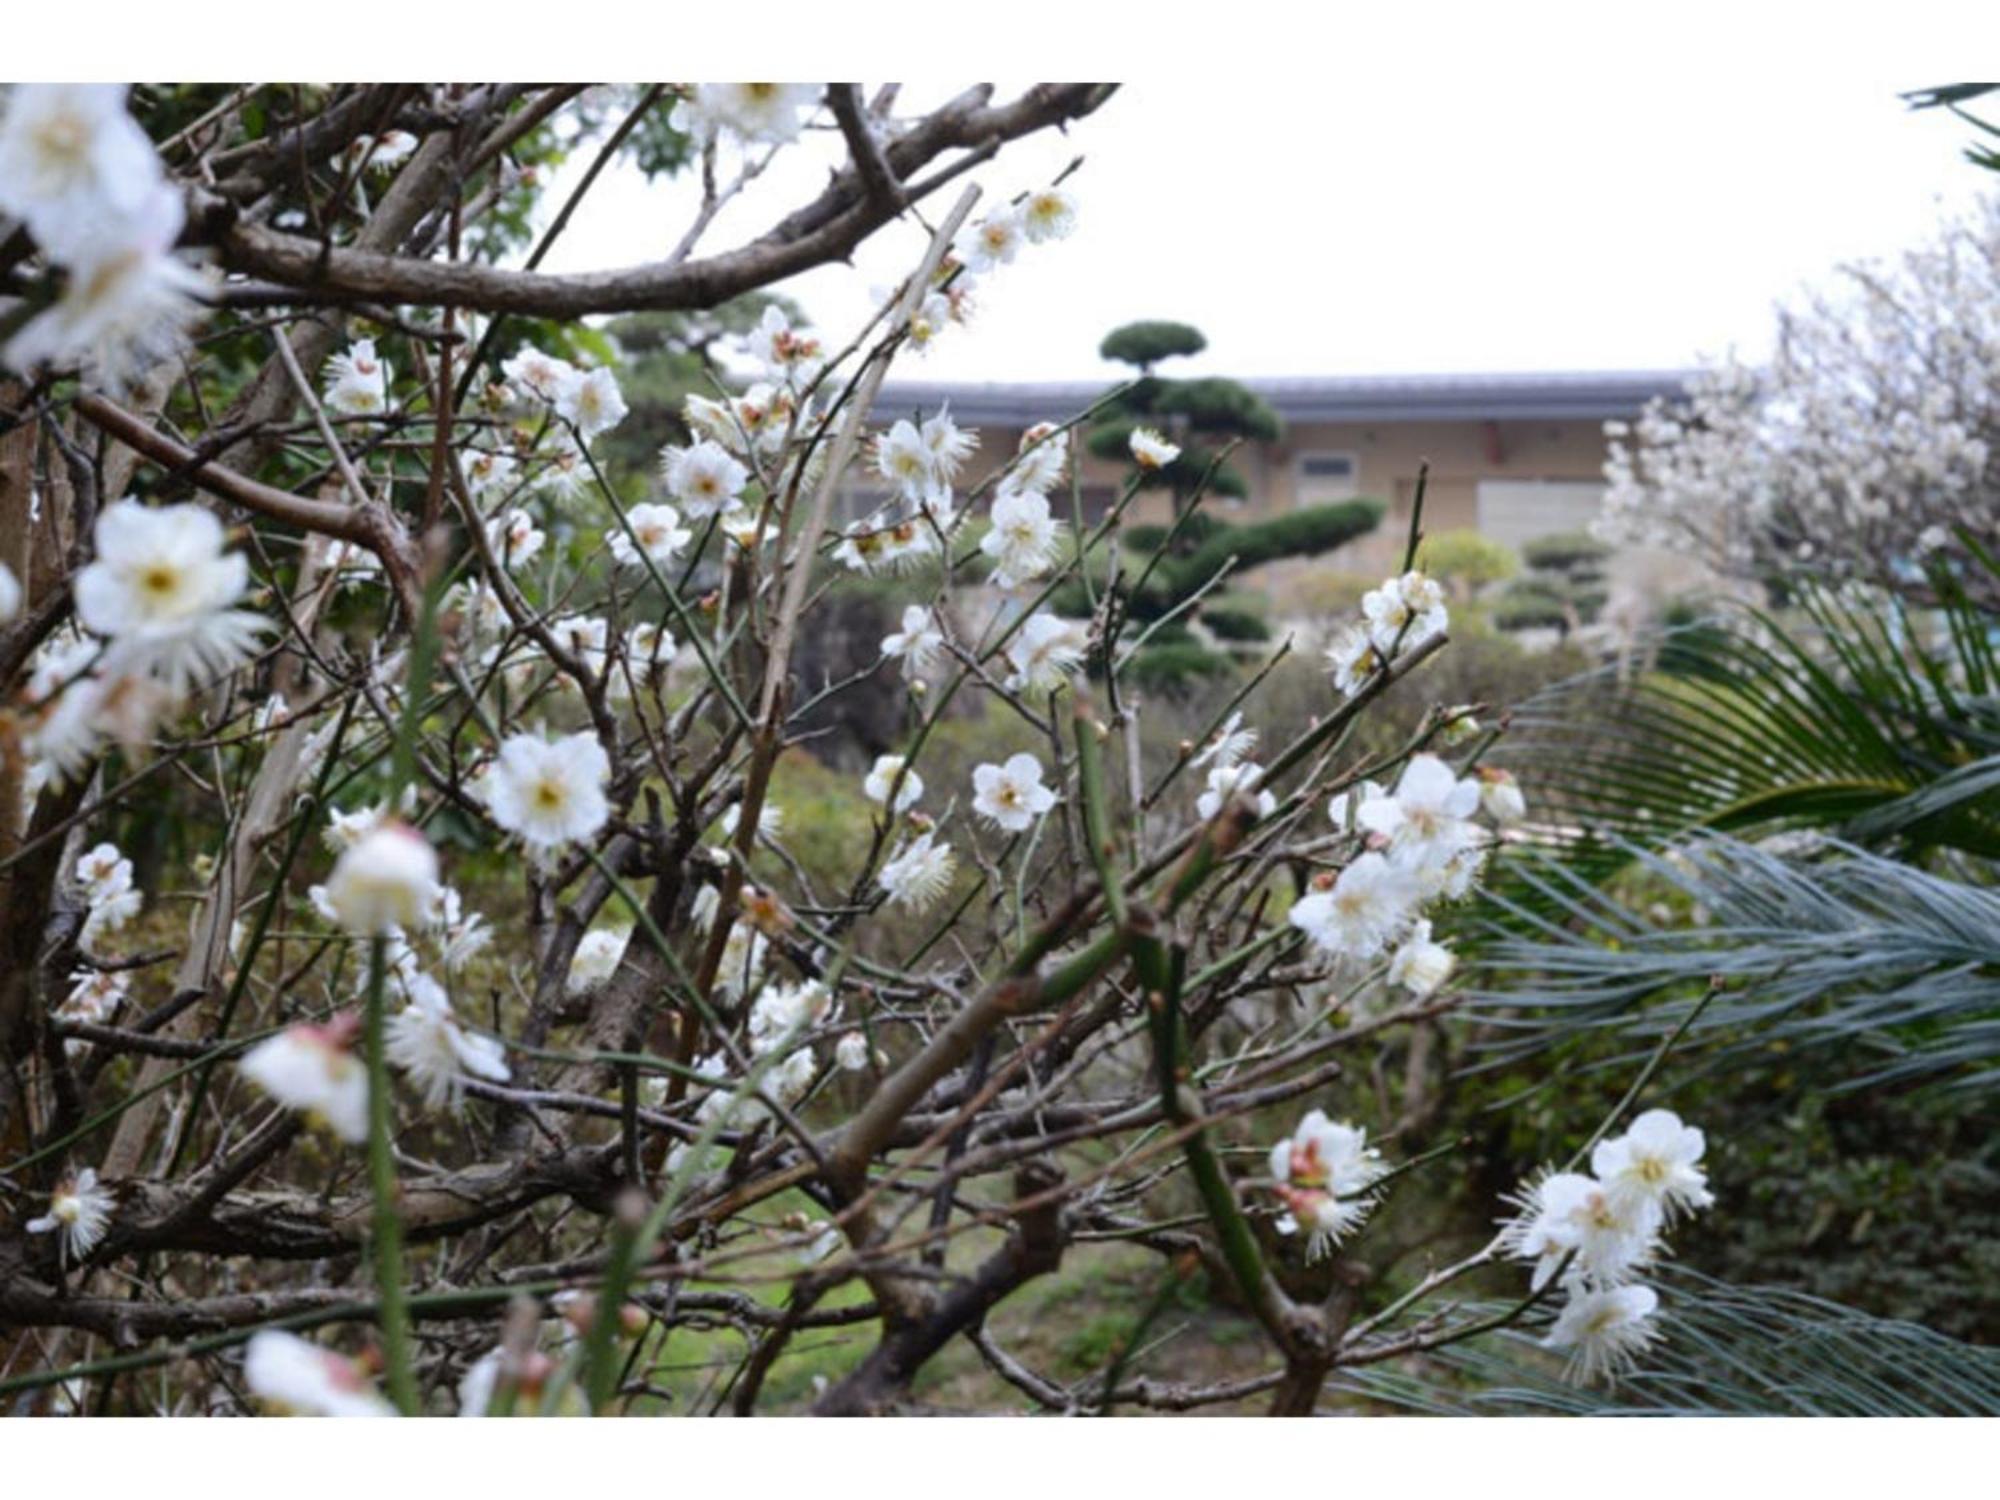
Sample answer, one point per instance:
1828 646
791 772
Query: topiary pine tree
1563 588
1200 416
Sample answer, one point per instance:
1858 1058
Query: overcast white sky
1513 220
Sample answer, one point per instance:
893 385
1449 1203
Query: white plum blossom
82 175
535 374
1461 726
160 590
94 997
295 1376
917 873
936 513
1425 823
1404 613
1656 1162
703 477
762 417
480 1383
1150 450
487 471
386 882
743 955
784 352
937 312
1353 658
656 531
916 645
1044 456
1570 1218
596 959
786 1082
591 401
785 1008
1239 778
1500 795
919 457
314 1069
1342 806
1044 651
994 241
103 873
1874 419
872 548
126 306
1024 540
10 594
1605 1331
1049 214
357 381
109 909
1323 1173
948 445
711 420
384 152
80 1211
426 1042
1421 965
769 821
1364 910
649 648
514 538
563 468
346 829
883 775
1600 1231
585 637
756 113
460 935
62 724
850 1053
1011 795
73 163
350 560
550 792
1229 745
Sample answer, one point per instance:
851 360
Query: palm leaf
1877 725
1725 1351
1894 968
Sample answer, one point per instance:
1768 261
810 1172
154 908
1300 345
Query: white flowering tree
1867 448
490 1024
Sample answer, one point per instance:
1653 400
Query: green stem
1161 975
388 1226
1096 816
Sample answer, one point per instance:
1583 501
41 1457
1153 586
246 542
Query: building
1514 456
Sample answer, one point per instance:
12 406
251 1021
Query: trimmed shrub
1563 552
1236 624
1177 668
1145 344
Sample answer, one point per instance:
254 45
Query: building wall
1566 456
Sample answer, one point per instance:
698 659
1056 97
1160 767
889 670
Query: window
1321 477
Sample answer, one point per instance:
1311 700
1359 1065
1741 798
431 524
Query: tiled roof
1591 395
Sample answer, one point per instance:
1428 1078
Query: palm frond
1725 1351
1876 725
1897 967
